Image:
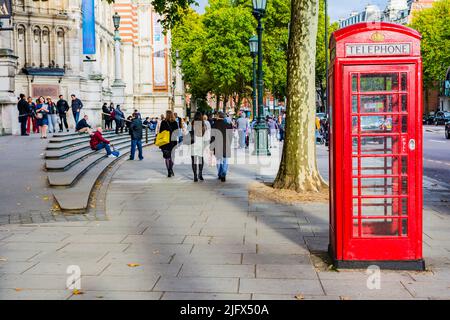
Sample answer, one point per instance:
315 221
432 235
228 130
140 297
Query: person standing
273 130
136 136
221 139
119 118
198 144
42 117
32 121
52 116
61 108
169 124
242 126
23 108
106 116
76 108
112 114
158 125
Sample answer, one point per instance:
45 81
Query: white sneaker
112 156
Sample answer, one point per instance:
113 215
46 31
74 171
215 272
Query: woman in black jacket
106 116
169 124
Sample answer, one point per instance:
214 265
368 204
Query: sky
336 8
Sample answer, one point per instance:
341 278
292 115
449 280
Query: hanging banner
5 9
159 55
88 25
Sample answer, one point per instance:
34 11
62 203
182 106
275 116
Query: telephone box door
380 153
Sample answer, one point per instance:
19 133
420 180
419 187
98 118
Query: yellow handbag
162 138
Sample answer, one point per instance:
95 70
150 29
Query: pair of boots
200 169
169 166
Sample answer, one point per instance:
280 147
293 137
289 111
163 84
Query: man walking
221 138
62 107
24 110
136 136
242 126
76 108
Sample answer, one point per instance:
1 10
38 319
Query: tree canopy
433 24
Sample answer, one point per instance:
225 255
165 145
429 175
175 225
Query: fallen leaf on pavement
299 297
3 259
18 289
155 251
45 198
344 298
77 292
133 265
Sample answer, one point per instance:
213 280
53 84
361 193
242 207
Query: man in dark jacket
221 138
24 111
83 126
61 108
76 108
136 136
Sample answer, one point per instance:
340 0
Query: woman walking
199 140
42 117
169 124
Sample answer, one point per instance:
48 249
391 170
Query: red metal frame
375 239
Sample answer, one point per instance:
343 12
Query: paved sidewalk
176 239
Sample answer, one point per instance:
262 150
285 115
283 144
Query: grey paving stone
69 257
33 238
280 271
118 283
218 271
437 289
15 267
31 294
198 285
143 269
18 255
40 246
150 258
260 296
96 247
45 282
286 259
154 239
60 268
224 248
286 248
100 238
165 249
117 295
204 296
116 230
359 289
281 286
208 258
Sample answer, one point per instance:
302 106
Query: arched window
59 46
45 48
36 48
21 41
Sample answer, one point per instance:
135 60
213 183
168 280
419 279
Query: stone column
8 101
118 87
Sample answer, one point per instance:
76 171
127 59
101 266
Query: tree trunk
298 168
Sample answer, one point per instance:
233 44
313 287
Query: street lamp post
262 131
253 43
326 58
117 65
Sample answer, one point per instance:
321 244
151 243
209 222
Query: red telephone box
375 105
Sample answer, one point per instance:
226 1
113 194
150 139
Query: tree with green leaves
433 24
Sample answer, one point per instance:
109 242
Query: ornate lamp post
253 43
118 67
262 131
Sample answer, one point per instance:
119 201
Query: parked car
442 117
447 130
428 119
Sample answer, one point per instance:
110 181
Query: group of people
44 116
202 137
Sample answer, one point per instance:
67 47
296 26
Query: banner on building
88 25
5 9
159 55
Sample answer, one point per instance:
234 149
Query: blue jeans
102 145
222 167
76 116
134 144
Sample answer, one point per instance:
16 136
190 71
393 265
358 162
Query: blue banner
88 26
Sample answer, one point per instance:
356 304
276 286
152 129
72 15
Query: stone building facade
45 57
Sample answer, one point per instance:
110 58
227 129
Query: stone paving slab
204 296
198 285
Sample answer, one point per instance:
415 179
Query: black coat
221 138
82 124
24 110
62 106
105 109
136 129
171 127
76 105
